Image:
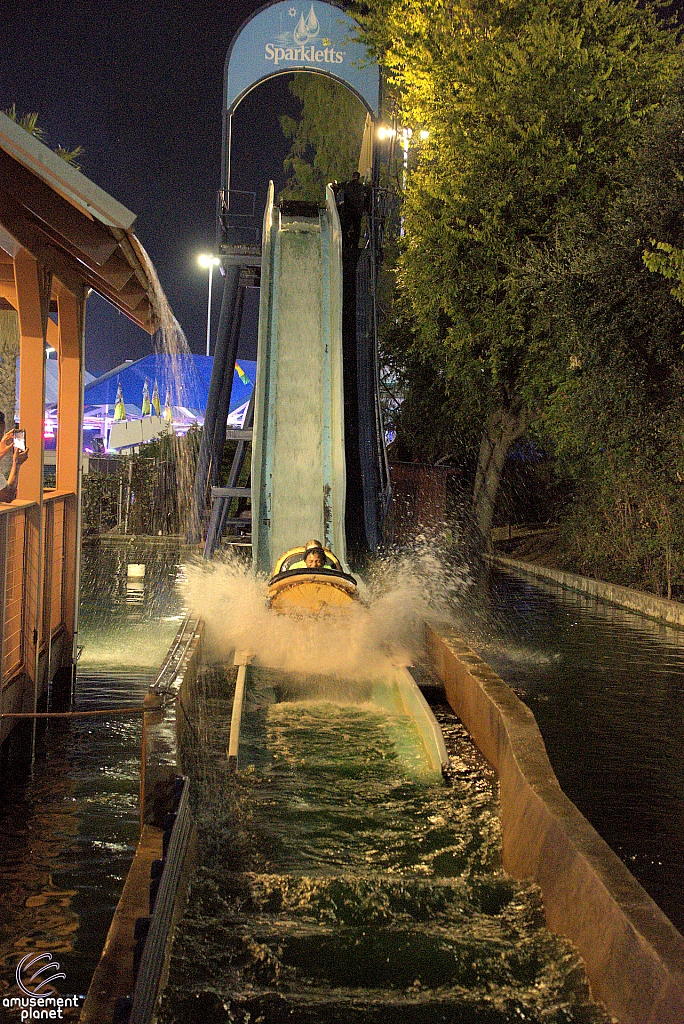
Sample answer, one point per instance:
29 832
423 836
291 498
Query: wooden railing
35 590
13 556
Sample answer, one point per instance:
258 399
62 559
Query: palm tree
29 122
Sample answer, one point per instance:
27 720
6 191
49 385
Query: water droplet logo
37 983
307 28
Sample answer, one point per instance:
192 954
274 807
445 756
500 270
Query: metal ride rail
175 656
159 689
162 917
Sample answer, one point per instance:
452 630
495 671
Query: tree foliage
534 111
326 137
30 123
616 421
668 260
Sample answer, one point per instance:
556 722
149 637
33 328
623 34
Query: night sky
139 86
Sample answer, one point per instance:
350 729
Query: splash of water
183 385
169 338
400 592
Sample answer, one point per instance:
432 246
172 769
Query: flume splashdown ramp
298 465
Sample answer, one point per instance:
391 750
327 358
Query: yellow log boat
298 589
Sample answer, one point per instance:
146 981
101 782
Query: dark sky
139 86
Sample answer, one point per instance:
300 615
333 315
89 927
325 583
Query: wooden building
61 236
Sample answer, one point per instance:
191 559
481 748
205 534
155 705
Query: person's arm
7 444
9 491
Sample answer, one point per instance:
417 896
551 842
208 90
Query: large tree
533 111
326 137
615 421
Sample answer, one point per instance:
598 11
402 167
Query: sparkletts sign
300 36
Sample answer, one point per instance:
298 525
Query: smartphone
20 440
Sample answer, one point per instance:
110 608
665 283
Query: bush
630 532
149 492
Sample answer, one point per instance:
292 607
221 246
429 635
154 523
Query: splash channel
332 884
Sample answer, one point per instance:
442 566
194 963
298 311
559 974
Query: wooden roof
72 226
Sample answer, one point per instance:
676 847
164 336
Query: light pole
205 261
404 136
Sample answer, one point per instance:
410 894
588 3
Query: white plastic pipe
242 659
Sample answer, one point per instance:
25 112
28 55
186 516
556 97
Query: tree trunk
9 350
505 426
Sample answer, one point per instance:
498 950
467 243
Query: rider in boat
314 555
310 578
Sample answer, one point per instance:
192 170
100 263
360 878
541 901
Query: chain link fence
145 493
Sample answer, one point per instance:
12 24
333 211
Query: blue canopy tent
185 378
51 383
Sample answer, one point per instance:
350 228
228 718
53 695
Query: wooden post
70 357
32 283
71 363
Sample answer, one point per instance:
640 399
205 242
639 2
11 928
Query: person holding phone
8 484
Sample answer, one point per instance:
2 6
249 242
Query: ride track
298 461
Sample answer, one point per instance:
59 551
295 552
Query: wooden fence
37 596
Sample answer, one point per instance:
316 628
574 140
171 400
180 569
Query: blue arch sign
303 35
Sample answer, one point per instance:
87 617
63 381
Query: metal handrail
136 710
140 709
161 922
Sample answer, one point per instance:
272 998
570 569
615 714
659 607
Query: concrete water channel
606 686
333 884
72 815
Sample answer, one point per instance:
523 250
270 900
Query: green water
330 886
69 794
128 622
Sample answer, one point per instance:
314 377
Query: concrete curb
633 954
652 607
113 975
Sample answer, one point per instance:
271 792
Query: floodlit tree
615 422
326 137
533 111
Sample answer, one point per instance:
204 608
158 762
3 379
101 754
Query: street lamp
205 261
403 136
